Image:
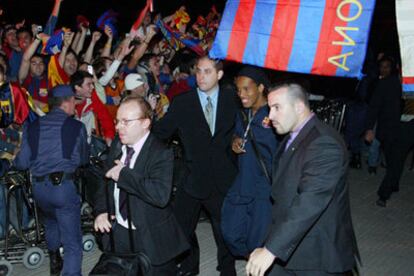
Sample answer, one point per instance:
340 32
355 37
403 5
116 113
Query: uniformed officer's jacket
53 143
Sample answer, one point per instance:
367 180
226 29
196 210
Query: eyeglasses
126 122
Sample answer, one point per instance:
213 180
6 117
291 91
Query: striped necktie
208 113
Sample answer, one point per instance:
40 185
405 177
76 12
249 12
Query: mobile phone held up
90 69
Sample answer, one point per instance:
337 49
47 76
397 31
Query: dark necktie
288 142
122 194
284 145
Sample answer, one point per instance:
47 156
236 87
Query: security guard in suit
53 147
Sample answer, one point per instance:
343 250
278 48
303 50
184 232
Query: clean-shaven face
129 123
71 64
37 66
283 114
248 92
207 75
86 89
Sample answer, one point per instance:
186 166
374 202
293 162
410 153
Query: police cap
62 91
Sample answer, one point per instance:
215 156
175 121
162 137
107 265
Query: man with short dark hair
53 147
141 166
89 108
9 39
63 65
24 39
204 120
384 115
311 231
246 212
33 75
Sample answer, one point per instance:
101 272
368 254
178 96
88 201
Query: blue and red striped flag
323 37
405 23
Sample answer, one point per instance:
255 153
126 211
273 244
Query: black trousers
396 149
122 245
187 211
277 270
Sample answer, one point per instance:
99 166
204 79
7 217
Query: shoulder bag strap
259 157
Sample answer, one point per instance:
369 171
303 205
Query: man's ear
77 88
147 123
64 106
220 74
261 88
299 107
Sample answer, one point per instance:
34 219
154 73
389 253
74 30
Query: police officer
53 147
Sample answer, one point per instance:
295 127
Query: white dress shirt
137 149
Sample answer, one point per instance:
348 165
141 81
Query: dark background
383 36
39 10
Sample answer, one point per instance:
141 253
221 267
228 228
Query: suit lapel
226 110
115 152
285 156
220 114
278 155
143 154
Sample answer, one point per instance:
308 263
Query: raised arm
140 50
25 65
67 41
138 22
75 41
125 49
79 46
89 53
51 23
107 49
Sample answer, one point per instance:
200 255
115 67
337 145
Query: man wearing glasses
142 167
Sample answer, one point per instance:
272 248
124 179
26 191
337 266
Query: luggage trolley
29 247
87 181
331 112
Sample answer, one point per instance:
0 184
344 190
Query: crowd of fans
97 62
103 65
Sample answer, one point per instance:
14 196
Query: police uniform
53 147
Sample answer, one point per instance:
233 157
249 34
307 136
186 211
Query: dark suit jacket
385 108
209 159
311 221
149 184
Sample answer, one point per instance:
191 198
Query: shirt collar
213 95
138 145
295 132
58 110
